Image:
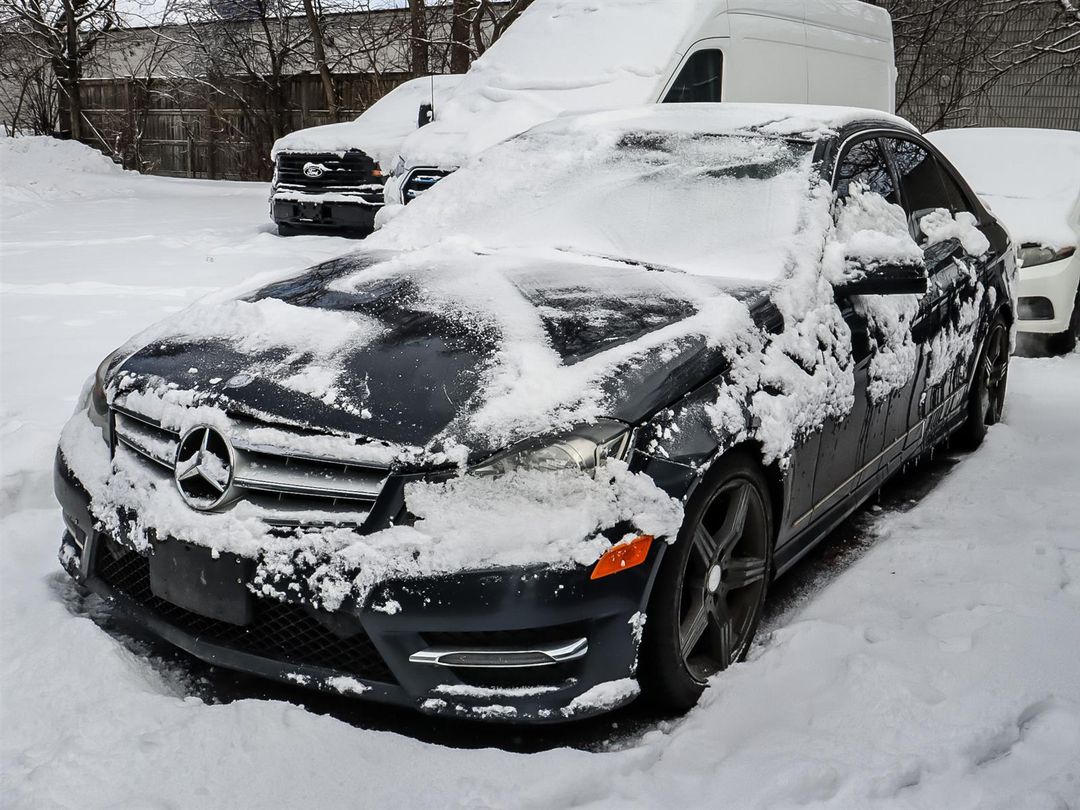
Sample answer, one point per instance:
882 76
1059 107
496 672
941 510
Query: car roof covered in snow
380 130
712 190
1028 177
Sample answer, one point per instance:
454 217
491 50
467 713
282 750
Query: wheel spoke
722 633
735 520
693 627
706 545
742 572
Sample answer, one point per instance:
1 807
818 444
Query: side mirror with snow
884 279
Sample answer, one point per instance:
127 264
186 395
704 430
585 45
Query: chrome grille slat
146 438
279 481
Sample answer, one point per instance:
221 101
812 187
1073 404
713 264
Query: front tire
986 399
707 601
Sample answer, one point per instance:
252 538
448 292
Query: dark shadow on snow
183 675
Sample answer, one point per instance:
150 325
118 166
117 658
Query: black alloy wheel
707 601
986 399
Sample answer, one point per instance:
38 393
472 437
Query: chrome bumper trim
502 657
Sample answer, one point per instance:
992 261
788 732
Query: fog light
1036 309
622 556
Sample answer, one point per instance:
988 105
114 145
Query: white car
1031 179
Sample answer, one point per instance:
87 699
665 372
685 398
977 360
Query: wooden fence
219 130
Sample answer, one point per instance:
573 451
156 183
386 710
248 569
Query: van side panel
850 55
767 60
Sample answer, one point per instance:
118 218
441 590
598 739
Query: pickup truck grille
285 485
352 172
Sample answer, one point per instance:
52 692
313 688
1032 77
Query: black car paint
830 473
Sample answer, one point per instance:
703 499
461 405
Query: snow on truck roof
380 130
610 53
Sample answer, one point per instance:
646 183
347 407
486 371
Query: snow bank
1029 177
381 129
36 169
938 671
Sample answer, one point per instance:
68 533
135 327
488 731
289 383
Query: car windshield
718 205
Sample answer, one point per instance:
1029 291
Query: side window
955 194
701 79
921 178
864 164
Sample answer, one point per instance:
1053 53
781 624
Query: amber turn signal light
623 556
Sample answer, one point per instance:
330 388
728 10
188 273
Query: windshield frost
714 205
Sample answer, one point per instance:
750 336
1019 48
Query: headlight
97 404
583 449
398 168
1034 255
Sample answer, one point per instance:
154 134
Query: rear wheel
707 600
284 229
986 400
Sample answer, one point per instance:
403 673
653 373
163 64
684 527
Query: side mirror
883 279
425 116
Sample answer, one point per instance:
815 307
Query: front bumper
319 213
365 651
1054 282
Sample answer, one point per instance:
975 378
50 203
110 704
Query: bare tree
419 38
58 35
951 53
490 19
318 44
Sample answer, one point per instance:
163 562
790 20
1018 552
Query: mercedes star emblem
314 170
204 468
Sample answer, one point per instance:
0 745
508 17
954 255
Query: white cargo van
566 56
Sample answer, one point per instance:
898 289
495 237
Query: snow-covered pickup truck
330 178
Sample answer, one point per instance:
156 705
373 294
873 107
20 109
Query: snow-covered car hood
432 349
1029 177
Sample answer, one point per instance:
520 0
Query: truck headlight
583 449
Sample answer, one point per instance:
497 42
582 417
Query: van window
700 79
864 164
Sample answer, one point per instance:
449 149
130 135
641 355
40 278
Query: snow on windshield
709 204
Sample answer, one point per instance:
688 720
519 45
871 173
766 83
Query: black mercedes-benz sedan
542 445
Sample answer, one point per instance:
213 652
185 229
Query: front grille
419 181
287 485
281 631
352 172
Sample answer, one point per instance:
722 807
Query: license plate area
190 577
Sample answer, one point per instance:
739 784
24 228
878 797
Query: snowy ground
940 670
